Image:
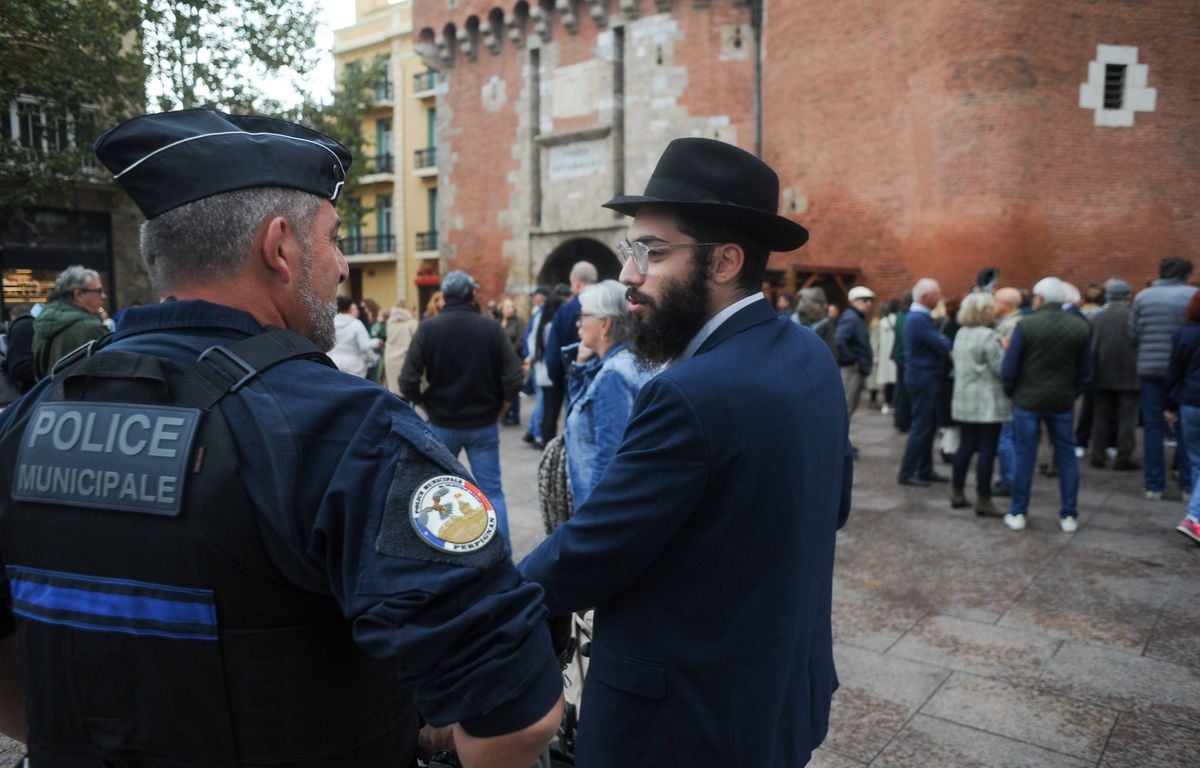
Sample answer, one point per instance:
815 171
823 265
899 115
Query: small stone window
1116 86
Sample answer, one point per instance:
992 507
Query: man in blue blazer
707 547
925 354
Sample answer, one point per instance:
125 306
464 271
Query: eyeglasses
90 290
640 252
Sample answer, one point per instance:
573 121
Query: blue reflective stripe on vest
113 605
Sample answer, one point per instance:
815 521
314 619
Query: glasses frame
640 252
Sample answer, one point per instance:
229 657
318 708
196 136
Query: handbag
554 489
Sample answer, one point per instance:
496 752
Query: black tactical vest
154 630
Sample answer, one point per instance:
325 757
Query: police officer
220 550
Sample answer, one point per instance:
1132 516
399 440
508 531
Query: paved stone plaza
961 643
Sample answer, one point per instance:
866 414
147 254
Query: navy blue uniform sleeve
469 632
653 483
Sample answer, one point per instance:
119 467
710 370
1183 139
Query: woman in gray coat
978 404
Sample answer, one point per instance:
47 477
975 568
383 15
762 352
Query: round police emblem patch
452 515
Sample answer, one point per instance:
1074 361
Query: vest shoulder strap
222 369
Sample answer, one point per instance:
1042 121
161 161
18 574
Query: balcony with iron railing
425 161
424 84
379 164
427 241
354 245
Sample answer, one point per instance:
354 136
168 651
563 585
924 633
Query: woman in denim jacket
603 379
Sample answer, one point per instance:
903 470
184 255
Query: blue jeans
1025 444
1189 423
535 418
1154 402
918 452
483 451
1004 452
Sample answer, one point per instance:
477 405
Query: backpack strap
223 369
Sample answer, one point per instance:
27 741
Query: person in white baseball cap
854 344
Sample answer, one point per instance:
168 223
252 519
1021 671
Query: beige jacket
401 326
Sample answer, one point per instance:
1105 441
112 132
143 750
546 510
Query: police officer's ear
278 250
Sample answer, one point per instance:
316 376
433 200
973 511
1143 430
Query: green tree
215 53
342 119
63 63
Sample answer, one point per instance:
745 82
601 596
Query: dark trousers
918 453
981 438
900 413
1115 409
551 406
1083 427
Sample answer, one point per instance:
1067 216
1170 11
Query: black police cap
170 159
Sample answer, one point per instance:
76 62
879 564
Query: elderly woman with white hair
979 404
602 384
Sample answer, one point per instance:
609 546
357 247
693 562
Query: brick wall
914 137
933 138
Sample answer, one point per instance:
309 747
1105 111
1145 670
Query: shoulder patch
451 515
434 513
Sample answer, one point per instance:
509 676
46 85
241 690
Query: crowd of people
992 371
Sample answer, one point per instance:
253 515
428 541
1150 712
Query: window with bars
1114 86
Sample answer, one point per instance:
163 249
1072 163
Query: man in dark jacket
925 354
1114 364
474 376
1157 312
71 320
18 362
854 344
1047 365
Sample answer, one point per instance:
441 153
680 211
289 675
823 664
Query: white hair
924 286
584 272
1052 290
1073 296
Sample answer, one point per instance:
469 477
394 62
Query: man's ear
728 260
278 249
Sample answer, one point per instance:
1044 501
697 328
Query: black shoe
527 437
1002 489
934 477
1098 463
1126 465
913 481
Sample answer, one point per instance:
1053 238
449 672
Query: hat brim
771 230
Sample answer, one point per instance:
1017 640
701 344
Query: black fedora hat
722 183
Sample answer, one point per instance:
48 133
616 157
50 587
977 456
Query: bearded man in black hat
707 547
224 552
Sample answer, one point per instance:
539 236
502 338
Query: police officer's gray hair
607 299
924 286
210 239
72 279
584 272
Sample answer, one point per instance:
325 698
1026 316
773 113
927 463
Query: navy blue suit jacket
707 550
925 350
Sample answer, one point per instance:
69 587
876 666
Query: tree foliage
62 64
216 53
76 67
342 119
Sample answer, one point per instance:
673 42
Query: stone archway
557 267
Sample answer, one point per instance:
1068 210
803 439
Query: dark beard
662 329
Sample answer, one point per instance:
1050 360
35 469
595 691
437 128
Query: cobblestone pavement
961 643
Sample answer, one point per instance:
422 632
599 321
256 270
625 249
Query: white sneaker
1111 452
1154 495
1068 524
1080 451
886 409
1015 522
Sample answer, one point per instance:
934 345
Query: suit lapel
756 313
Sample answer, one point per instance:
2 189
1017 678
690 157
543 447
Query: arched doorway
557 267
